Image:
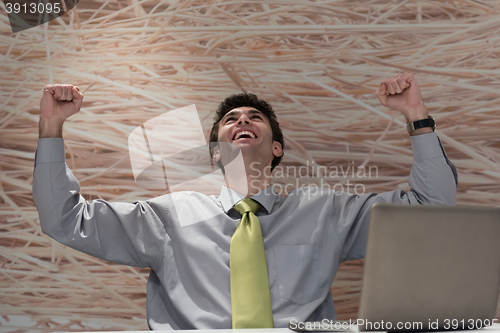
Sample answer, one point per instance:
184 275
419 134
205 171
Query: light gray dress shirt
306 236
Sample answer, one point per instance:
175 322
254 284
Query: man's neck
257 179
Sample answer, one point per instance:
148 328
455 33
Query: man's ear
216 153
277 149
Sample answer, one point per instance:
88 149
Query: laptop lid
430 268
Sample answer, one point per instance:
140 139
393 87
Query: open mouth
244 135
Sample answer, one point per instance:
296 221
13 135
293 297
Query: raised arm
126 233
433 178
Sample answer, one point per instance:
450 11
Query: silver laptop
430 268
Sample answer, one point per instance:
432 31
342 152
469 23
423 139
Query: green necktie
250 296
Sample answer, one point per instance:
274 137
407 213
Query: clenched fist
402 93
59 101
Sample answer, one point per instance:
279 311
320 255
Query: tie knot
246 205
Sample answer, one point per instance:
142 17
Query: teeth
239 134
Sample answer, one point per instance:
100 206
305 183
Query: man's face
250 130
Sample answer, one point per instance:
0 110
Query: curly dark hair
250 100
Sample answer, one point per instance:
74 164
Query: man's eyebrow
229 114
255 112
232 113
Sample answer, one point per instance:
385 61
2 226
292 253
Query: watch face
409 127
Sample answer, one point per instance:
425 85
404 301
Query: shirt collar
265 198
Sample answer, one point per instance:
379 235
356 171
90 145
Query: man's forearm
433 176
99 228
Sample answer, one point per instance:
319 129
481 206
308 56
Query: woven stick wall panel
317 63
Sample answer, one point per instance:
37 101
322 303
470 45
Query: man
197 270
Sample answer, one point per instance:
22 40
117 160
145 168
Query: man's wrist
50 128
416 114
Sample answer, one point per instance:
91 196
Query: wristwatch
429 122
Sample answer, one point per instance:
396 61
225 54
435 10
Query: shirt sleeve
125 233
433 181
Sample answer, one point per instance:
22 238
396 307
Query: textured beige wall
318 63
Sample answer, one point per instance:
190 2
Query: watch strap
429 122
